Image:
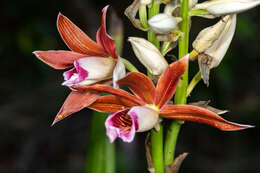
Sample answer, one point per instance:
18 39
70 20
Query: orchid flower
140 112
93 62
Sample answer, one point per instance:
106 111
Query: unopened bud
148 55
222 7
211 51
162 23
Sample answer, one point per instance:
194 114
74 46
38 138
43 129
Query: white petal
97 67
234 6
146 117
221 7
220 46
119 72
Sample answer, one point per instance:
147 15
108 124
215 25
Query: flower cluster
95 65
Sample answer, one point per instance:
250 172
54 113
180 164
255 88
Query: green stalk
143 16
165 47
155 9
195 80
170 142
198 12
129 66
157 149
156 136
180 95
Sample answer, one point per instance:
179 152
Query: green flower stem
170 142
198 12
156 136
143 16
195 80
180 95
129 66
153 10
157 149
165 47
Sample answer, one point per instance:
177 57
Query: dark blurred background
31 95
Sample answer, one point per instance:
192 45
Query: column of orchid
97 64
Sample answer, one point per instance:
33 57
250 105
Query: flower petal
76 39
121 125
58 59
119 72
168 81
104 39
111 104
74 103
146 117
88 71
140 85
200 115
111 90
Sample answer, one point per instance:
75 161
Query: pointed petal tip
58 118
105 8
238 127
60 15
54 122
186 59
36 53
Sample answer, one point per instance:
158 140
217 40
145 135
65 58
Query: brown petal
104 39
108 89
111 104
168 81
76 39
140 85
74 103
200 115
59 59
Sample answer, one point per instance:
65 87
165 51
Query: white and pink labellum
89 70
124 124
223 7
148 55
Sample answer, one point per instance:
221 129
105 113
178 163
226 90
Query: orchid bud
163 23
222 7
212 49
148 55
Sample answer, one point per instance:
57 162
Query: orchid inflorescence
96 65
